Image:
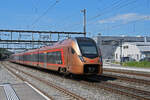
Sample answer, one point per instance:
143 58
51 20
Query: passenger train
79 56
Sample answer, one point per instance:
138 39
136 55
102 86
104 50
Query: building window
137 56
116 56
125 47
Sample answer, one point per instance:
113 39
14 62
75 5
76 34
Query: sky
108 17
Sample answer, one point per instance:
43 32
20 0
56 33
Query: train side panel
65 57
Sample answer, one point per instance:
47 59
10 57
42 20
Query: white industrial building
108 44
132 51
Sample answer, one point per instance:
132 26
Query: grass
137 64
116 62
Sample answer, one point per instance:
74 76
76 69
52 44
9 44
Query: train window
54 57
41 57
21 57
72 51
36 57
88 49
25 57
33 57
28 58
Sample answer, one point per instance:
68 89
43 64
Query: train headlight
81 58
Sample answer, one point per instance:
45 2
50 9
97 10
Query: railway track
119 89
124 78
122 90
126 72
64 91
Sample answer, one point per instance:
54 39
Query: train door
69 60
70 56
45 60
38 59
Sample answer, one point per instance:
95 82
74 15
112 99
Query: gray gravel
131 76
130 84
57 95
90 93
7 77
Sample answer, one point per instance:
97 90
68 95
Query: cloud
125 18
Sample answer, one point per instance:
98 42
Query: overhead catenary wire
66 19
49 8
119 25
115 5
104 10
79 23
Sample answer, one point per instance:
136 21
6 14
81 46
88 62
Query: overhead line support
32 31
84 21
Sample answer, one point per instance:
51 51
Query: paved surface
2 94
115 66
24 92
21 89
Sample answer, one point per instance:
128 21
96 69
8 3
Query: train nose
91 68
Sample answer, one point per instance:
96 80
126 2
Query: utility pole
84 21
121 57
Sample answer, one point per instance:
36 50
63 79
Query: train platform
11 88
21 91
117 66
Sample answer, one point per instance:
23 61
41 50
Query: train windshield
88 48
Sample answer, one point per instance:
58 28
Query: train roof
57 44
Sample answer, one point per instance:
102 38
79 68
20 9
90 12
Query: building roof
143 46
124 38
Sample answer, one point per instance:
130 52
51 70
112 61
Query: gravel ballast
88 92
7 77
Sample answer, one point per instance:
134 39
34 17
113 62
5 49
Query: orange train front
78 55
